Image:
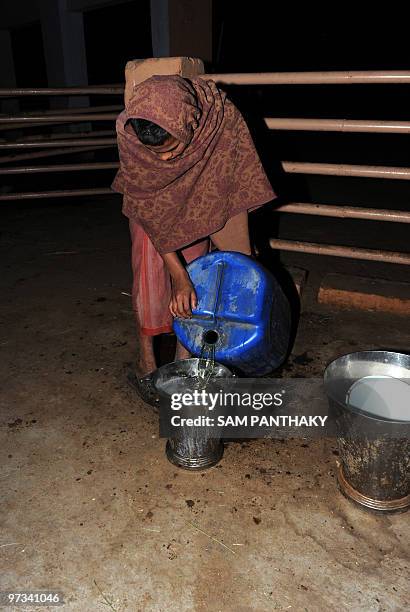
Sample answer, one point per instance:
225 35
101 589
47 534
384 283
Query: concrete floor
91 506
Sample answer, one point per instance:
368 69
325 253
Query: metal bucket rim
354 409
191 359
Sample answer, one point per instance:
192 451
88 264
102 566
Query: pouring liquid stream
206 365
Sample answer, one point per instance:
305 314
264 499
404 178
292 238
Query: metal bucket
368 396
193 448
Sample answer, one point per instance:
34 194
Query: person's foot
145 367
144 387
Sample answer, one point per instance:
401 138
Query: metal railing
65 143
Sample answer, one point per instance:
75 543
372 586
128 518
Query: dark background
258 37
259 40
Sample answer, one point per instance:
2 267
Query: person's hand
183 297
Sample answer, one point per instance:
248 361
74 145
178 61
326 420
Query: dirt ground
91 507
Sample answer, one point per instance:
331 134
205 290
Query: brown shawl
216 176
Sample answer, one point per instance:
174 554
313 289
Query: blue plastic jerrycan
242 311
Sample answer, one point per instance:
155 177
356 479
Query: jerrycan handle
219 277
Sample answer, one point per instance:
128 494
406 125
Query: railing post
182 27
65 55
7 72
139 70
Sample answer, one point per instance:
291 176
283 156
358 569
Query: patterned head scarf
217 175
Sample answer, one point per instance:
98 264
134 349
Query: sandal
144 388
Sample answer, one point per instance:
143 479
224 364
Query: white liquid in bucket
381 396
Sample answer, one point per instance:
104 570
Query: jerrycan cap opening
211 337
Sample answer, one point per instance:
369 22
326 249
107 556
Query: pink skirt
151 287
